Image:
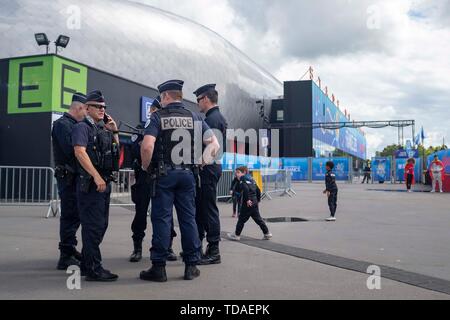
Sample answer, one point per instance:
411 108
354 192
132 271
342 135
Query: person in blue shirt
208 220
170 151
96 144
141 194
65 170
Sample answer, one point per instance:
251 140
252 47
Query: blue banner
404 154
146 104
444 156
381 169
341 168
349 140
400 169
298 168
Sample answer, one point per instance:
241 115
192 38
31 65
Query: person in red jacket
437 173
409 173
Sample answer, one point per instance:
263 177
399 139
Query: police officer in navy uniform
208 220
97 151
141 194
168 129
65 170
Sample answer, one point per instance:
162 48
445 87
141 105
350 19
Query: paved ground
408 232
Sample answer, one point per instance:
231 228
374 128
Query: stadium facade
126 49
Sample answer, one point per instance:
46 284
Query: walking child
250 197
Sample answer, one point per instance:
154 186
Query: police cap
202 90
175 85
96 96
79 97
156 103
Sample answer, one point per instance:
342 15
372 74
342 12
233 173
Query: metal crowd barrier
121 189
29 186
274 181
37 186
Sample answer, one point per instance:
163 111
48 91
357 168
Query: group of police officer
86 153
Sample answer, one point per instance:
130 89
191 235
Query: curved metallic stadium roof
143 44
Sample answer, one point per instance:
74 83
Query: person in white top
437 173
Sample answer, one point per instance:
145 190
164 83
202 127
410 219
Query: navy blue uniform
175 187
93 205
65 163
249 190
330 184
208 220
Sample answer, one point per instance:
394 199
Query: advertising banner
381 168
341 168
400 169
349 140
298 168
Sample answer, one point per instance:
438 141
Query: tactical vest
173 119
102 150
58 155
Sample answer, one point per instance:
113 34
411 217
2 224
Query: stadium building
125 49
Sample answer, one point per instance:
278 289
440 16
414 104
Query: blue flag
422 135
417 139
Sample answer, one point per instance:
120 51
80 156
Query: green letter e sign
43 84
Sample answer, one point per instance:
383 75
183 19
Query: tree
388 151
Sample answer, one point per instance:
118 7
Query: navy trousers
176 189
94 216
70 217
207 216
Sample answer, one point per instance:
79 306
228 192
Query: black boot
136 256
66 260
212 255
191 272
77 255
172 256
101 276
155 274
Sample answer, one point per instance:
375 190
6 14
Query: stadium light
62 42
42 40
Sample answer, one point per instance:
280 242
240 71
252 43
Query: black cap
176 85
202 90
156 103
79 97
96 96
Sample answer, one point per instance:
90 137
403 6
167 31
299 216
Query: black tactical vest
173 119
102 150
60 158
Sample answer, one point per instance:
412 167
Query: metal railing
29 186
275 181
121 190
37 186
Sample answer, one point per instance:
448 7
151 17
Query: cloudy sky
382 59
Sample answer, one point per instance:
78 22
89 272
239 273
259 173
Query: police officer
96 149
65 163
208 220
141 194
168 129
